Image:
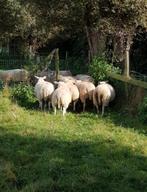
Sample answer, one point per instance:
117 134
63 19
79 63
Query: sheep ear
44 77
36 77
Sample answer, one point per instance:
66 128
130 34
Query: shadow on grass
49 164
125 120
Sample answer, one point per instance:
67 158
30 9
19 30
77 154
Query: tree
44 20
121 19
95 18
14 18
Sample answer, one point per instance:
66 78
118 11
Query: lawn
83 152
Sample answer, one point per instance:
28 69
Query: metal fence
74 64
12 63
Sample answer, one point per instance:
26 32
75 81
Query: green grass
83 152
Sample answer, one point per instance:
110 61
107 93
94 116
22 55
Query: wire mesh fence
11 63
74 64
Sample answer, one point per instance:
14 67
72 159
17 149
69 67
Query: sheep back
86 90
105 93
61 97
74 91
44 90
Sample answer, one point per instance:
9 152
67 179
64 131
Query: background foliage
143 111
99 69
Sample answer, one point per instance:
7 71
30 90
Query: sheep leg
49 105
84 103
55 111
74 105
44 105
97 108
40 104
103 109
64 111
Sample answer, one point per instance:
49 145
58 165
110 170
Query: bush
99 68
24 95
143 111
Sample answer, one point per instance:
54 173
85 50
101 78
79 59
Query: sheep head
40 79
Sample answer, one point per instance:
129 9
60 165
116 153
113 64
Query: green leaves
99 68
15 18
24 95
143 111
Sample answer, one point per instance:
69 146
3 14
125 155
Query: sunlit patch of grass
81 152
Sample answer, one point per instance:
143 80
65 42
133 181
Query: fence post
66 60
127 60
57 64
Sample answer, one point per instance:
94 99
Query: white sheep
86 91
15 75
102 95
61 98
66 78
73 90
84 77
74 93
43 91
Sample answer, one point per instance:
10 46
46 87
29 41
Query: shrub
143 111
99 68
24 95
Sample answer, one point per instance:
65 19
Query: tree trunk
96 42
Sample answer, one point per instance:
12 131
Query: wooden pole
66 60
48 59
127 60
57 64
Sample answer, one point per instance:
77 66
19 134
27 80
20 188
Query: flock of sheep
70 91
